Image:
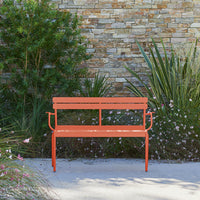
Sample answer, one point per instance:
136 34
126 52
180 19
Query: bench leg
54 154
52 136
146 151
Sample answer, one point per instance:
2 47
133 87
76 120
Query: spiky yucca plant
171 79
99 87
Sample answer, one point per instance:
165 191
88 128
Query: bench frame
100 103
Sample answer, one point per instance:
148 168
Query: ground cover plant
173 92
17 181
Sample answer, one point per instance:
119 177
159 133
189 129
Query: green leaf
1 66
144 55
20 29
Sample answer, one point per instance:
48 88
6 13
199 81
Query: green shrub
40 48
173 92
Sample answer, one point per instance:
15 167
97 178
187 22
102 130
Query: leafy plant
96 88
40 48
171 79
33 123
173 91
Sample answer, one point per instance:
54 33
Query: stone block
195 25
172 25
161 6
118 25
98 31
120 36
79 2
138 31
120 80
90 50
112 50
178 40
194 31
185 20
106 21
188 14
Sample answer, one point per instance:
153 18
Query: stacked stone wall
113 26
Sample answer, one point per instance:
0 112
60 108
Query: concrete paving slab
120 179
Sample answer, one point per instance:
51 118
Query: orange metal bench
100 103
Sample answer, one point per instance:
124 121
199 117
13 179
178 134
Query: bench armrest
151 120
49 120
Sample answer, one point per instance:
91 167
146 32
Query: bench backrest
101 103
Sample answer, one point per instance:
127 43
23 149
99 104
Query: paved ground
120 179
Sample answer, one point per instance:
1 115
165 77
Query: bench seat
97 131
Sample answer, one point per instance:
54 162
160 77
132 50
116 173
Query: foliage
17 181
173 92
97 88
40 52
174 79
40 48
33 123
176 135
